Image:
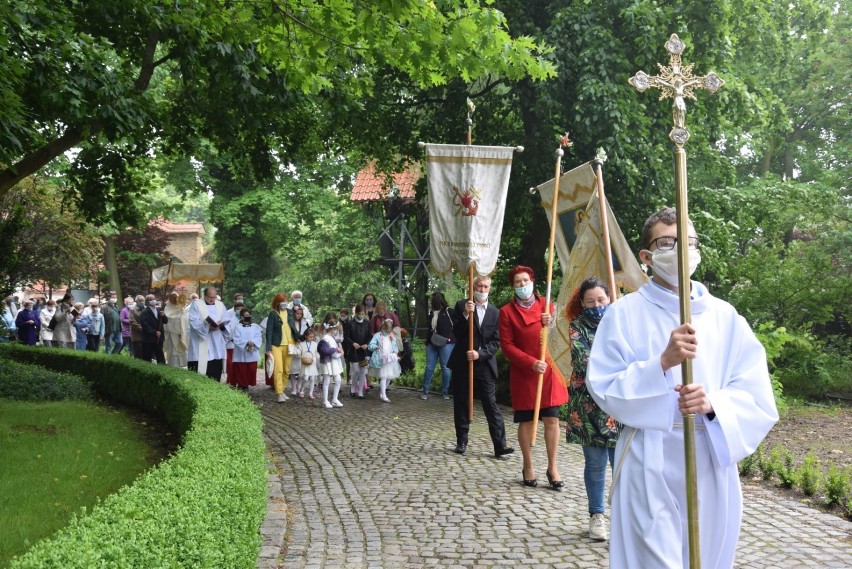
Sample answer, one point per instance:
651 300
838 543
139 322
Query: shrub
35 383
838 486
201 508
808 475
766 463
784 467
748 465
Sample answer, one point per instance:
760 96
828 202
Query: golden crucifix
677 82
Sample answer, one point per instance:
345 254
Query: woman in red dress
521 321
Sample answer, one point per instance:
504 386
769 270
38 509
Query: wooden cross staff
677 82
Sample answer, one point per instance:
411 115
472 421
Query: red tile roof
371 186
170 227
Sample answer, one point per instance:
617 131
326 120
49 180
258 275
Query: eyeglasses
668 243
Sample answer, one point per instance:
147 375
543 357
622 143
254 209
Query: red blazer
520 340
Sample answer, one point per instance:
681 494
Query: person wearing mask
232 315
28 324
153 322
247 338
486 343
369 304
124 316
207 319
521 323
97 329
357 336
296 299
81 327
280 335
588 426
380 315
440 342
136 326
176 331
112 326
46 316
633 375
64 334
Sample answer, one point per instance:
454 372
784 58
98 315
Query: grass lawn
58 457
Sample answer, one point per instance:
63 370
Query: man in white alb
207 320
634 374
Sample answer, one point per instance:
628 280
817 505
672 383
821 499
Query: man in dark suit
152 320
486 342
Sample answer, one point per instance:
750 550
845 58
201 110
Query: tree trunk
789 160
768 153
112 266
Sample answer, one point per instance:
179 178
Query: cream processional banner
579 247
467 200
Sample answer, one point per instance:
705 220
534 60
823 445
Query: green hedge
25 382
201 508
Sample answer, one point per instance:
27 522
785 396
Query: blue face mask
297 301
524 292
595 313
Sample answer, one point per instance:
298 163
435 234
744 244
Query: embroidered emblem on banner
467 202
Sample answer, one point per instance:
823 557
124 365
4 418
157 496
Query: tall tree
137 252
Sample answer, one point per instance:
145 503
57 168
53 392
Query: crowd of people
624 404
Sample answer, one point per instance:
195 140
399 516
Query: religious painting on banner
467 200
582 255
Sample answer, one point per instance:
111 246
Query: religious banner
467 200
579 248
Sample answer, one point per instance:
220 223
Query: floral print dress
588 425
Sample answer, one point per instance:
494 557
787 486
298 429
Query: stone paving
376 485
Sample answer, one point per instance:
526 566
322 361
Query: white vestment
241 336
625 377
205 344
176 332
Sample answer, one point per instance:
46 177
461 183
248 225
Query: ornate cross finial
678 83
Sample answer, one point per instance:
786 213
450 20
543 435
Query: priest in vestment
176 332
634 375
207 320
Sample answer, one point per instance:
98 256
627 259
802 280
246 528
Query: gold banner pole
564 141
610 270
677 83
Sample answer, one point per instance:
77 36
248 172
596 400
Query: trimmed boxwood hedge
201 508
24 382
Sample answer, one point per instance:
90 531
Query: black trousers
484 387
214 368
152 350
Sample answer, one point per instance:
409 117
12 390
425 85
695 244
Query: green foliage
767 462
35 383
201 508
749 464
838 486
773 340
785 468
808 475
813 368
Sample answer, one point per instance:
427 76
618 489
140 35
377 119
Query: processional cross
677 83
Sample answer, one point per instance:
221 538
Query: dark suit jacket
486 341
151 325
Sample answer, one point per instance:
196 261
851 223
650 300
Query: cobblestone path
377 485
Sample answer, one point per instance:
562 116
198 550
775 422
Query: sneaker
326 404
282 398
336 403
597 527
424 397
446 397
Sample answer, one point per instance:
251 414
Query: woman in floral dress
588 425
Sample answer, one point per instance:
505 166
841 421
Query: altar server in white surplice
634 374
207 320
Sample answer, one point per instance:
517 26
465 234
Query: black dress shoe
503 452
529 483
554 484
461 448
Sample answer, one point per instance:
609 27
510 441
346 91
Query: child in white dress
384 361
331 360
308 360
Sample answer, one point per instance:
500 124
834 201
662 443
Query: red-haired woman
280 335
521 322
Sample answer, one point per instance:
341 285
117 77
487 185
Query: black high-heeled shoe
554 484
529 483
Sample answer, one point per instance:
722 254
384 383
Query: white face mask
664 264
481 297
